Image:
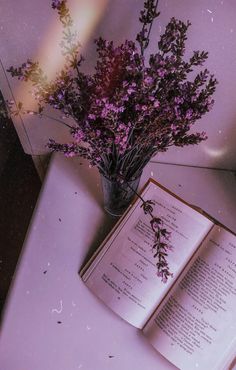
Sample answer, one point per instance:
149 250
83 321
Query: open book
191 319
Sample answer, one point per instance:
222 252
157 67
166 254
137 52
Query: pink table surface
51 320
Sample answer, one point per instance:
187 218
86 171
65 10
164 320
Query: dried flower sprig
161 245
147 17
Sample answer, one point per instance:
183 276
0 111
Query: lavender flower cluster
130 108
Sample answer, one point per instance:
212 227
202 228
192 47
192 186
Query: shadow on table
19 190
223 184
107 222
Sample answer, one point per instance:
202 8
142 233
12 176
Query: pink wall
24 26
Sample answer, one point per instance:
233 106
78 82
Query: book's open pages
195 325
123 274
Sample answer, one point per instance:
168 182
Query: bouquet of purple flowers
130 108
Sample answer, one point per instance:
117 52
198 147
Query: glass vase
118 195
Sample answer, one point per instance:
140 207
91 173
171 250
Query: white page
124 274
195 326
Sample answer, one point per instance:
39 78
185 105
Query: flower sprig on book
161 245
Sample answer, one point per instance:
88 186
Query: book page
195 326
124 274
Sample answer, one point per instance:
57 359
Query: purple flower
130 90
189 114
148 80
161 72
56 4
92 116
70 154
178 100
78 135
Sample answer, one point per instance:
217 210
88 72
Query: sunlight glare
86 15
216 152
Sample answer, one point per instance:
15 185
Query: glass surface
117 196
